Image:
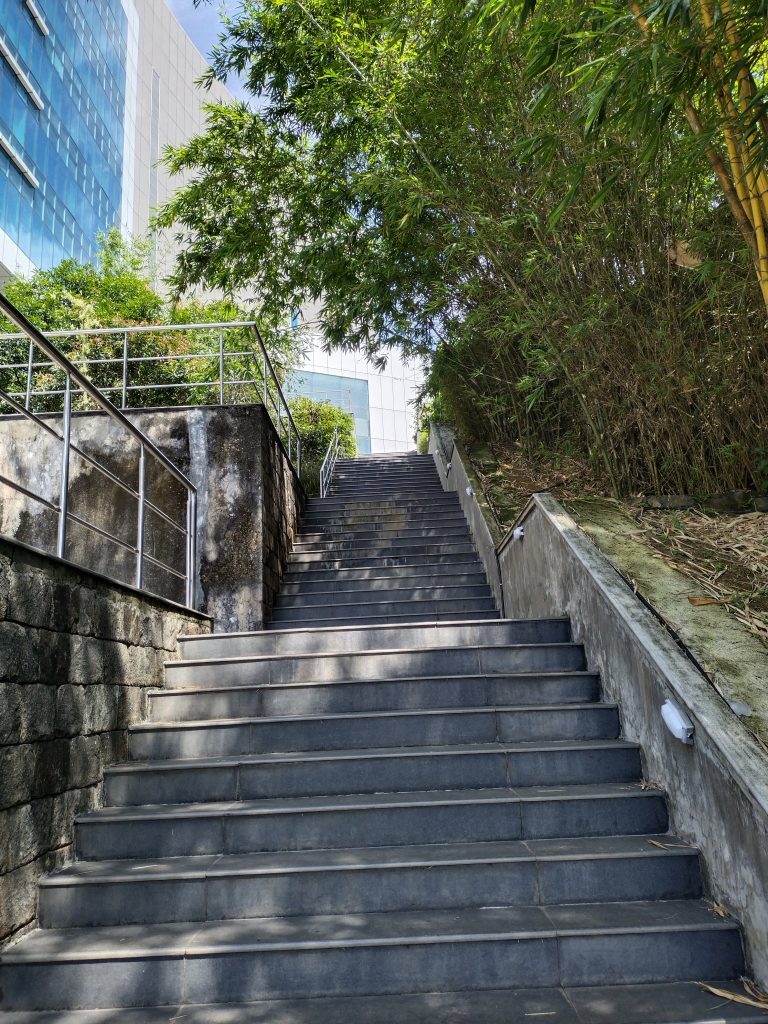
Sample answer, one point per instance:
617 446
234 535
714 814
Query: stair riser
382 521
476 606
364 554
263 737
373 890
457 964
401 619
376 502
404 573
375 826
370 774
346 698
343 539
378 667
411 638
309 596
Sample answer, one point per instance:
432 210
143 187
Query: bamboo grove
562 207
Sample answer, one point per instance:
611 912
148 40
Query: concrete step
383 502
375 665
375 819
367 554
384 519
679 1003
592 944
387 619
352 583
390 696
345 537
372 880
397 543
380 609
499 632
400 568
227 737
373 770
299 596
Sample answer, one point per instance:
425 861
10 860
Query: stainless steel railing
59 427
254 377
329 462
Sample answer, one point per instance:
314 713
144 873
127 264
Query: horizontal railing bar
30 494
164 515
8 396
167 358
135 387
95 332
165 566
103 533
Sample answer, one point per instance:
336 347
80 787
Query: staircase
392 805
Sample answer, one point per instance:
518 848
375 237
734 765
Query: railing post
221 366
298 455
30 360
140 523
264 372
66 432
125 370
191 546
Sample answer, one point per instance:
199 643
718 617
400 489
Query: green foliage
461 181
316 422
115 292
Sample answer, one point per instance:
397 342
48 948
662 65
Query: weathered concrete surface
735 659
717 788
249 502
77 655
455 471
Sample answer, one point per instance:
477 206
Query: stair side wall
77 656
718 787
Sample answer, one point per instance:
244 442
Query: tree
115 292
316 423
660 70
412 167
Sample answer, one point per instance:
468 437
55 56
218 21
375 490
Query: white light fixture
518 533
678 723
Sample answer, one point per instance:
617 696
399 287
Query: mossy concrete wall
77 655
717 788
249 502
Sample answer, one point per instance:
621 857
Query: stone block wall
77 655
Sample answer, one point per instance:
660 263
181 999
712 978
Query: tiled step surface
350 818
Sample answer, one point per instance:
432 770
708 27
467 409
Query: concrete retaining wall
249 502
77 655
717 788
455 472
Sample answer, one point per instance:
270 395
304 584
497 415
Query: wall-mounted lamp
470 492
518 533
678 723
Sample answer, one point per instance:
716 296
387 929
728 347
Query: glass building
92 92
62 126
347 393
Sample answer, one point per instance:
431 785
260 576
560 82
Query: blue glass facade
347 393
73 146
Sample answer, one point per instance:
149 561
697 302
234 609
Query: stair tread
361 716
329 931
361 858
369 753
354 801
676 1003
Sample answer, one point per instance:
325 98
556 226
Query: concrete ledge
455 472
717 788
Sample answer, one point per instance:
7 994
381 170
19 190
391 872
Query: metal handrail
267 378
329 462
73 377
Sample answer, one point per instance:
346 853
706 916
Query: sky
202 25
